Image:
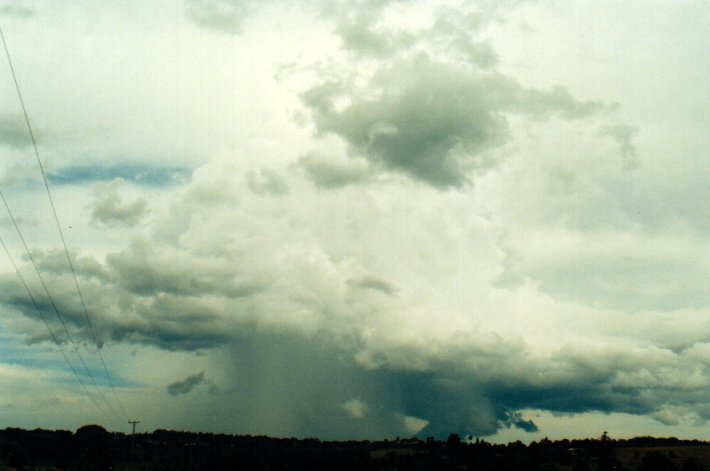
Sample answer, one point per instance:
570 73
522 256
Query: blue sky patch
139 174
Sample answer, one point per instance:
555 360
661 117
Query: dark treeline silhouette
91 447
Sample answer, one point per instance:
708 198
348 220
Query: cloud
374 283
330 172
623 134
423 97
455 32
266 182
145 269
285 316
355 408
430 120
225 16
359 31
13 132
110 210
562 270
414 425
634 279
592 230
515 419
16 11
186 385
387 29
287 308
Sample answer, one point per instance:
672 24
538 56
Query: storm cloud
362 219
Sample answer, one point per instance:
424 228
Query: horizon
357 218
469 440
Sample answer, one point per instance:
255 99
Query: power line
59 227
52 303
46 324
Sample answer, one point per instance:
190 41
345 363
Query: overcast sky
359 219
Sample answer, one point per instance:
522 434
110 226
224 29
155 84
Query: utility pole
133 437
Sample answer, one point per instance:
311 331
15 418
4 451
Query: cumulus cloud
430 120
455 31
330 172
266 181
13 132
424 98
286 306
360 30
186 385
285 322
551 275
387 29
109 209
225 16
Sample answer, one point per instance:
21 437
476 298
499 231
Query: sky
358 219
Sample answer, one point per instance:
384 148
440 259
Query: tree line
92 447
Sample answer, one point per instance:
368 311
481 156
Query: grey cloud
436 105
13 132
266 182
169 322
144 271
432 121
163 299
475 387
178 297
623 134
326 172
359 36
277 375
627 282
454 31
54 263
186 385
111 211
61 314
225 16
515 419
621 242
16 11
374 283
363 32
357 26
291 386
641 382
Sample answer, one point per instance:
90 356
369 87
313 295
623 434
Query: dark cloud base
297 384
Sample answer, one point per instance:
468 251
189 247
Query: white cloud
355 408
414 425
